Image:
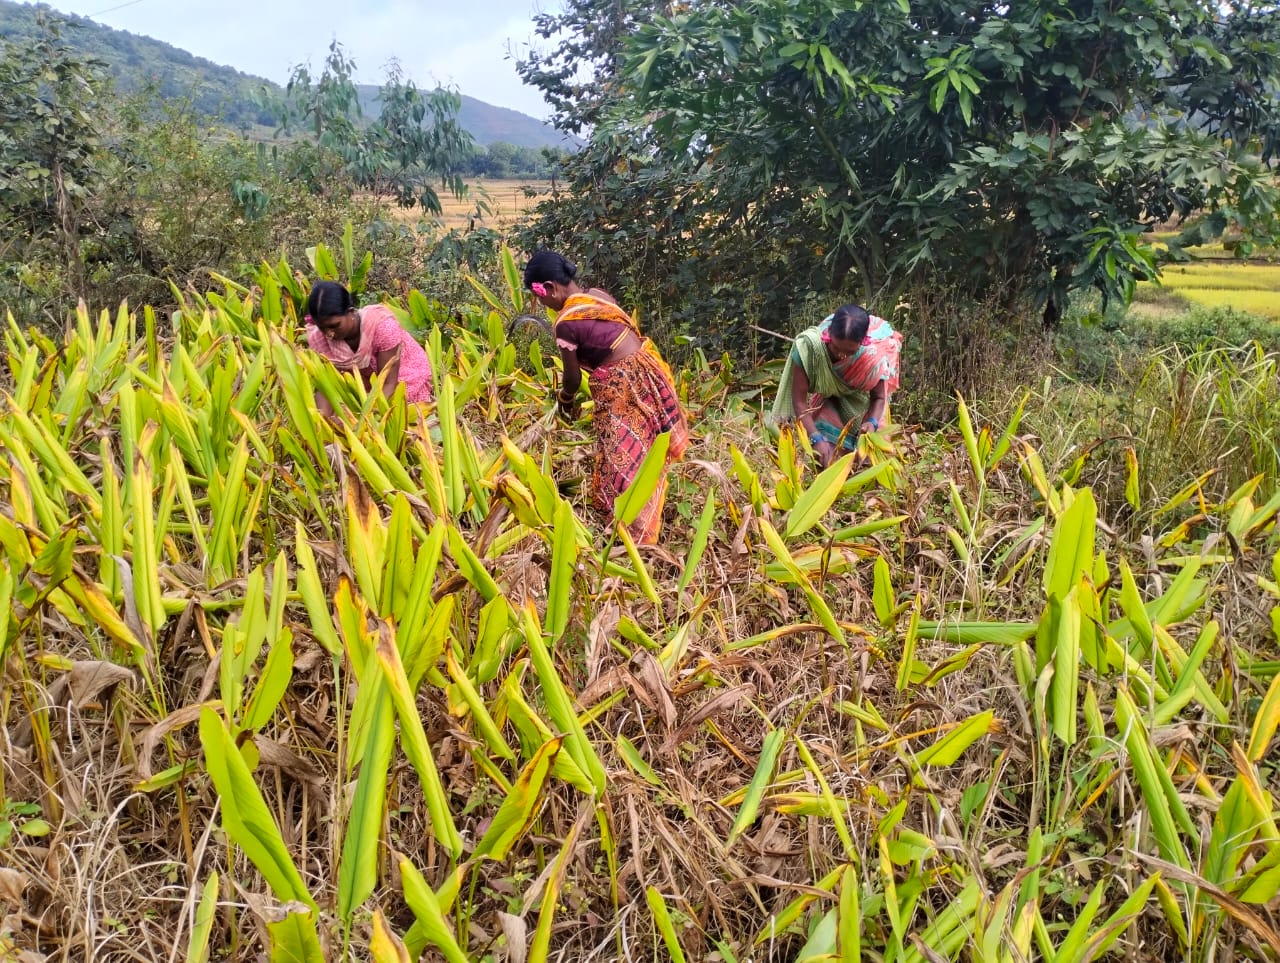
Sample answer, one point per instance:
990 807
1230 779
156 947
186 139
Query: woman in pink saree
368 341
850 355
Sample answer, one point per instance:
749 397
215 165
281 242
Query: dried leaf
12 885
88 680
516 931
720 703
151 738
654 679
275 754
602 628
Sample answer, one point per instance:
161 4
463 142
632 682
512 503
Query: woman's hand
323 407
826 453
567 407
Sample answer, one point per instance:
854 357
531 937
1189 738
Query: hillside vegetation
382 685
238 100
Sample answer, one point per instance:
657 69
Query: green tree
1022 148
180 202
50 163
108 199
414 142
632 216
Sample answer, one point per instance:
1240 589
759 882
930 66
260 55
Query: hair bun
570 269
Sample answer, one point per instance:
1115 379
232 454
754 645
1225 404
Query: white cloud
464 44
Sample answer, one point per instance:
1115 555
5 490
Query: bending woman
830 368
366 340
634 393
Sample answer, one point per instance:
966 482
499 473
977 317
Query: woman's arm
572 376
800 402
877 399
388 364
825 450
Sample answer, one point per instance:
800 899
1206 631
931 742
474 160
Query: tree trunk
69 225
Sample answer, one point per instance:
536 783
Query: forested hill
226 93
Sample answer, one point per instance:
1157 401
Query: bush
1204 327
1097 345
1089 344
1206 413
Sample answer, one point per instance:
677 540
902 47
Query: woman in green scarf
831 368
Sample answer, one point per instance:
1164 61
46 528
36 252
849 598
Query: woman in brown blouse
632 387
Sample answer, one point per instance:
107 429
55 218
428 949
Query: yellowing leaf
814 501
521 804
1132 491
950 747
1265 722
1071 551
627 507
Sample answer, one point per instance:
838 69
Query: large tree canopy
1023 147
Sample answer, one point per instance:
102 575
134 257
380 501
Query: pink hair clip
306 319
826 337
866 341
538 288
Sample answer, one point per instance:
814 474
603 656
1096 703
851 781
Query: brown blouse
592 341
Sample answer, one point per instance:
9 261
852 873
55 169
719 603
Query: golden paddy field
1245 285
499 201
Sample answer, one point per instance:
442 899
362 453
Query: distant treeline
507 160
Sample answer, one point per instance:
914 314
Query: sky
466 44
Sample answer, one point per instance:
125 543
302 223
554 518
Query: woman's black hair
850 323
547 266
328 299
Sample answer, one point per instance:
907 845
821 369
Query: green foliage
1019 150
1205 420
51 162
112 199
22 818
137 63
414 140
394 679
182 204
227 97
1102 347
501 159
1202 327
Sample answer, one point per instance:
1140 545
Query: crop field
385 687
504 201
1248 286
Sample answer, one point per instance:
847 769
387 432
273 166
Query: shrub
1206 326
